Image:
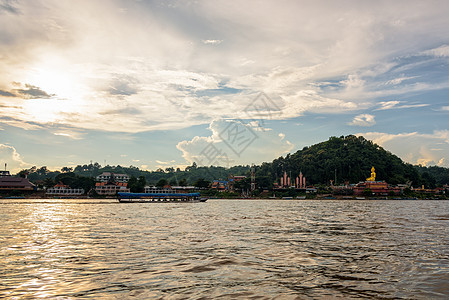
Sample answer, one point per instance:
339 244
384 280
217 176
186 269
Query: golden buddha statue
373 175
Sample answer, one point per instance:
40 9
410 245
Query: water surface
248 249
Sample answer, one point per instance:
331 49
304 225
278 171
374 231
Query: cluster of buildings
109 184
226 185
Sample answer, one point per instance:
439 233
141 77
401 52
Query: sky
157 84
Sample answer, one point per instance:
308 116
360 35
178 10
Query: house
109 176
232 180
109 189
16 183
10 183
64 190
220 185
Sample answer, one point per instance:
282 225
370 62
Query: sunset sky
165 83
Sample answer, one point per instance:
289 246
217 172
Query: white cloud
137 68
399 80
442 51
233 142
212 42
364 120
395 105
388 105
12 158
73 134
415 148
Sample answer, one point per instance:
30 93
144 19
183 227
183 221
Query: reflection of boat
160 197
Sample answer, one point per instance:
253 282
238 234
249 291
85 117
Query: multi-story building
378 188
109 189
109 176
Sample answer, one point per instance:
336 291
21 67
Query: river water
244 249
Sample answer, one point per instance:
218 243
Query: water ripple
224 249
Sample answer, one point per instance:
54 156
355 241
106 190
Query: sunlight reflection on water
224 248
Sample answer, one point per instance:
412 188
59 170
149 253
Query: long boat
160 198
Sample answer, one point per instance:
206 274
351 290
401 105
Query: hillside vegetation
344 159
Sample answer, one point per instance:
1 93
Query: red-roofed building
378 188
108 189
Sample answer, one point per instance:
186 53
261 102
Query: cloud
415 148
7 5
445 108
233 142
365 120
212 42
9 155
20 123
394 105
161 60
388 105
7 94
33 92
399 80
72 134
123 85
442 51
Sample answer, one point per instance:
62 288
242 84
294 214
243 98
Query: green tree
367 192
141 183
49 182
161 183
132 184
66 169
201 183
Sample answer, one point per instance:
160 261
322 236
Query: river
244 249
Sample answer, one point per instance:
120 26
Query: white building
107 176
64 190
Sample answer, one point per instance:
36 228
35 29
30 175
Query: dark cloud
8 6
34 92
7 94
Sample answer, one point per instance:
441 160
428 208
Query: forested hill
347 158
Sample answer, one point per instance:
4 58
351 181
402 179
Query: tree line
340 160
